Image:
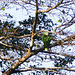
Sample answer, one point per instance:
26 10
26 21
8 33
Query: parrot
46 40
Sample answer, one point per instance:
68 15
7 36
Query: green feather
46 40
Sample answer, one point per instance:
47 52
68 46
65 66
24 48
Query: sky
20 15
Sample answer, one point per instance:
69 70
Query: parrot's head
46 33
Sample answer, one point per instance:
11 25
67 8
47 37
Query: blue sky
22 14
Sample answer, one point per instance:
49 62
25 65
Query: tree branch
39 11
35 69
2 37
34 25
64 25
58 42
5 44
29 53
52 69
59 54
12 68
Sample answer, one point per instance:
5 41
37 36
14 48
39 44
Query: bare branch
5 44
59 42
52 69
59 54
29 54
2 37
34 25
4 58
35 69
64 25
39 11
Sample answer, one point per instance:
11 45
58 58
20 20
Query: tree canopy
50 24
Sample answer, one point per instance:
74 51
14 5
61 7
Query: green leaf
45 57
59 20
3 8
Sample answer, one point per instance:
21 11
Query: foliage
63 61
42 22
16 54
3 8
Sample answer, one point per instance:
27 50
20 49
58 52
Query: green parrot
46 40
